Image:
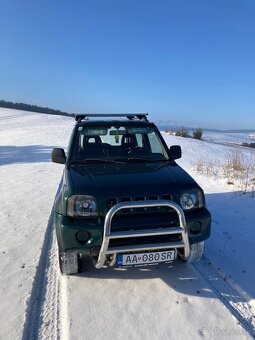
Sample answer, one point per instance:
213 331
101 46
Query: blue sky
190 62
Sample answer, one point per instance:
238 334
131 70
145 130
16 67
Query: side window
154 143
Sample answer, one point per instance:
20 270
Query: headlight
81 206
191 199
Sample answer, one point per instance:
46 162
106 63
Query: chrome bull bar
108 234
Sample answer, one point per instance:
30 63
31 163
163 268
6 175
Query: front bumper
108 235
190 227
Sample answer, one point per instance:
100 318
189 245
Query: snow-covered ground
214 298
232 242
28 181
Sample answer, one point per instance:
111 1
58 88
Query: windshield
118 143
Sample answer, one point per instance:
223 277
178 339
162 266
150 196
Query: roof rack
131 116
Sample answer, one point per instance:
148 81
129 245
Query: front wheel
196 253
69 263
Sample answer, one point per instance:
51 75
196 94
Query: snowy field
212 299
228 138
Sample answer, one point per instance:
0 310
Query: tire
69 263
196 252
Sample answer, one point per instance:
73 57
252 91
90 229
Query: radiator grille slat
114 200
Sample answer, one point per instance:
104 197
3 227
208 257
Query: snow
28 181
156 303
232 239
228 137
174 301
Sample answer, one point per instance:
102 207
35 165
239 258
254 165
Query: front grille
143 218
146 220
114 200
111 202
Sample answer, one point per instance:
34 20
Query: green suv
123 200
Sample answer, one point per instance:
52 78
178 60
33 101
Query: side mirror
175 151
58 156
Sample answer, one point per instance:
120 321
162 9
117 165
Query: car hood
129 180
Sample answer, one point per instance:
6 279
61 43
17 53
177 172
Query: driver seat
92 146
129 141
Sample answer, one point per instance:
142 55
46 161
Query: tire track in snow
42 314
230 297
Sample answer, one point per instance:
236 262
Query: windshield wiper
144 160
95 161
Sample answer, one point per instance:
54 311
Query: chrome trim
150 246
145 232
182 230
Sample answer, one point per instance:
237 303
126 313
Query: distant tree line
197 133
249 145
32 108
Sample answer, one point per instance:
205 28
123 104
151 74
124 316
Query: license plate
145 258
